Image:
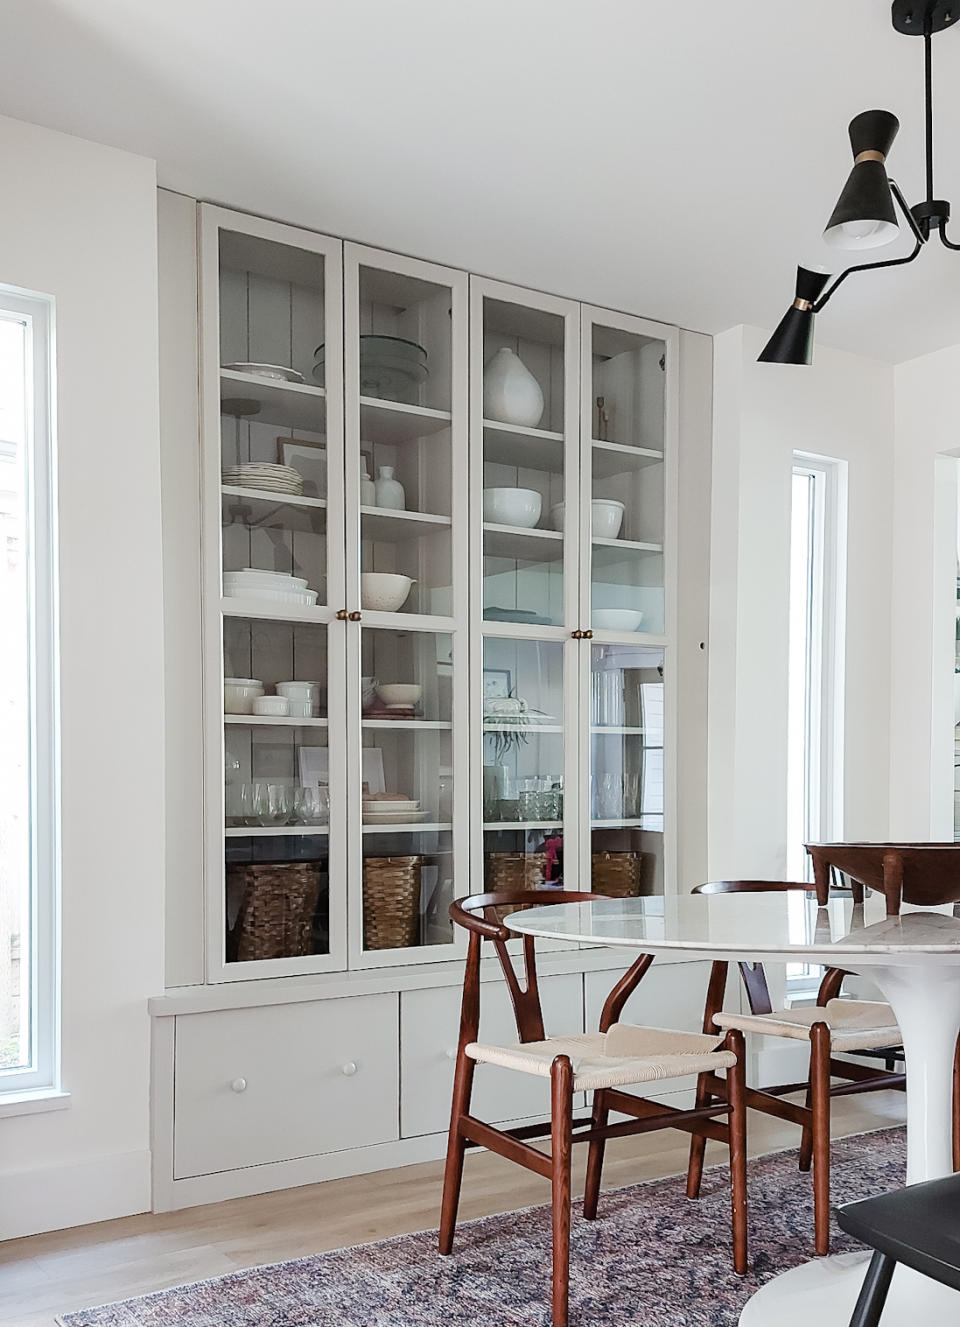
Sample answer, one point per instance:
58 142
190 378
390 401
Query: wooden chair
832 1026
924 874
603 1062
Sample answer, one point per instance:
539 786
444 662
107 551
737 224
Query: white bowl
302 709
300 597
384 591
556 515
298 690
239 693
277 707
616 619
280 579
606 516
399 693
512 506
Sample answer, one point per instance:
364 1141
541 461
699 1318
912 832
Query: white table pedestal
926 1000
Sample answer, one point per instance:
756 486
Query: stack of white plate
263 475
395 811
277 587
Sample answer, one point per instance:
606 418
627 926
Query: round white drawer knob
349 1069
239 1085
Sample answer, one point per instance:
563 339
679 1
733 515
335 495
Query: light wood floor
71 1269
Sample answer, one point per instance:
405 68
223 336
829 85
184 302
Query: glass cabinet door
625 370
273 465
626 769
524 423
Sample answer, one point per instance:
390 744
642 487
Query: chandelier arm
948 243
887 262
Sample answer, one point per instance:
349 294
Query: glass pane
407 792
15 756
626 769
405 472
523 763
277 789
523 464
627 507
273 420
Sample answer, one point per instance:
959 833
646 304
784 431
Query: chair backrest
481 915
923 874
753 975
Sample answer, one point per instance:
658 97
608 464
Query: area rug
653 1258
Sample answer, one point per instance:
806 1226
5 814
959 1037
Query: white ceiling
670 157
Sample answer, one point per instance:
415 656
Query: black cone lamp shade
864 216
792 342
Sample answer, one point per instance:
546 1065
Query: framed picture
308 459
497 683
315 768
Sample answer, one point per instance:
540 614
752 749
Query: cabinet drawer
429 1027
284 1081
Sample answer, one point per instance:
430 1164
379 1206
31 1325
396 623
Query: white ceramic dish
300 598
298 690
276 371
520 507
616 619
239 693
303 709
278 707
384 591
282 579
606 517
399 693
556 515
393 817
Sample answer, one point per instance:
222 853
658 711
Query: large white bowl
276 706
616 619
298 690
239 694
512 506
384 591
606 516
399 693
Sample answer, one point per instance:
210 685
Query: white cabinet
284 1081
429 1028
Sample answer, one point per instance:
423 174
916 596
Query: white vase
390 492
511 394
368 490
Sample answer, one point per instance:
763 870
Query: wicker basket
278 903
391 902
616 874
506 872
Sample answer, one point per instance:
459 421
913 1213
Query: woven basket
506 872
278 902
616 874
391 902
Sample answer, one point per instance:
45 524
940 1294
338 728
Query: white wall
924 540
841 407
79 222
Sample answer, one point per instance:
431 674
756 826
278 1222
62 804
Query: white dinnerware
276 707
399 693
557 516
239 694
303 709
276 371
511 394
606 515
616 619
299 690
519 507
263 475
389 492
384 591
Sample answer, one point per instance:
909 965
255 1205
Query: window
29 857
815 671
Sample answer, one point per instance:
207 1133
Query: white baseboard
60 1196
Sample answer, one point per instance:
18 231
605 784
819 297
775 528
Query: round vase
511 394
390 492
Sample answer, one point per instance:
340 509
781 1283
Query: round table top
754 927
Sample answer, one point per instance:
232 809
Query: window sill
33 1103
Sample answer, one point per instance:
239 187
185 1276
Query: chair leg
698 1144
806 1139
820 1104
873 1293
736 1085
456 1145
561 1127
956 1108
591 1188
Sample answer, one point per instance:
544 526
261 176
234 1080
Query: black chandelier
866 212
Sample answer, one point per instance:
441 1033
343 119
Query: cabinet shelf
395 526
614 730
265 504
523 448
522 728
519 545
261 610
617 458
420 827
630 822
624 545
273 721
496 826
294 405
275 831
429 725
392 421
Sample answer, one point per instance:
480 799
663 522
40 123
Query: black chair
918 1226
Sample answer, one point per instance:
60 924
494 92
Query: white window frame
825 668
42 954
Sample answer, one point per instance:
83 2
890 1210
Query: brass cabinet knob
577 635
354 617
342 615
587 635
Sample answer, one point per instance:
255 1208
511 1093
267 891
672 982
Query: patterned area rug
652 1258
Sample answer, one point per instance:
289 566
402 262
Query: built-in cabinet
440 624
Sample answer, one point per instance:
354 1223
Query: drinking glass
528 798
248 813
631 796
274 804
609 796
311 805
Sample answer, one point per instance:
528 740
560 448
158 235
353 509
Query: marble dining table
913 958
